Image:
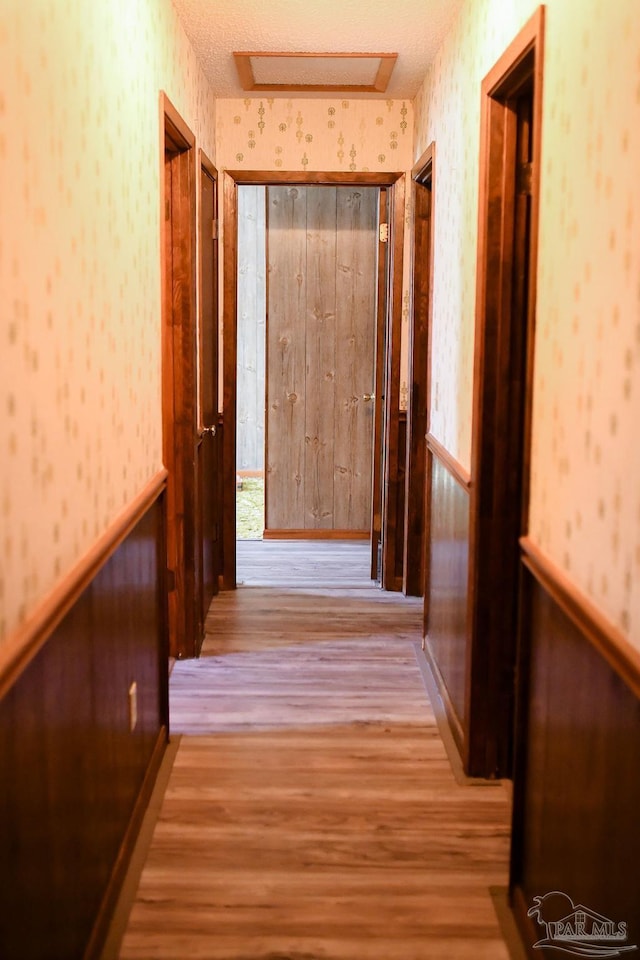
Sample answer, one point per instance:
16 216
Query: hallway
311 811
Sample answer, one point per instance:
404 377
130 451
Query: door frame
415 520
493 543
179 373
207 444
393 183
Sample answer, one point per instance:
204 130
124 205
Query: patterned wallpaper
80 427
345 135
80 430
585 497
349 136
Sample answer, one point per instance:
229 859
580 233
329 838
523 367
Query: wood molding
608 640
25 642
207 164
257 177
316 535
454 467
175 123
524 923
420 323
93 950
510 138
178 182
421 170
208 336
453 720
510 62
392 517
229 376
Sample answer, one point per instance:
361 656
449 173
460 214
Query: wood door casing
179 377
391 187
380 408
511 121
208 446
321 332
415 521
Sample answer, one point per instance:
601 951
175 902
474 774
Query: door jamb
179 401
415 521
394 183
207 436
490 664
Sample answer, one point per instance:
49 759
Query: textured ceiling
414 29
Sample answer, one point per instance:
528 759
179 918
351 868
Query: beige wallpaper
348 136
80 428
304 134
585 498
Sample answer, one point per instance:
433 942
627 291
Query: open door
208 456
387 520
320 370
381 350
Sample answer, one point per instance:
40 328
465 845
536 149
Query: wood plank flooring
311 813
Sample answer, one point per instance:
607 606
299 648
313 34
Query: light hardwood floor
311 813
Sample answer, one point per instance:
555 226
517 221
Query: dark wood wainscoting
577 781
446 591
74 777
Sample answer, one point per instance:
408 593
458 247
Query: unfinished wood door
321 333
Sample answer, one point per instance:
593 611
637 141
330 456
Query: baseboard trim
129 888
94 948
508 926
448 724
526 926
24 643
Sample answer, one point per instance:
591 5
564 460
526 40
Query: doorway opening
250 368
179 401
416 518
287 191
507 258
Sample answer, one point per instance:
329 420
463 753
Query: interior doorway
507 258
416 518
390 187
307 317
179 376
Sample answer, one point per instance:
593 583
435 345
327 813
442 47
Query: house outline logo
578 930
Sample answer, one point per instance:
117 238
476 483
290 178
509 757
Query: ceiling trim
247 79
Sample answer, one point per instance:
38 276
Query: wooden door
179 375
208 441
377 485
320 371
